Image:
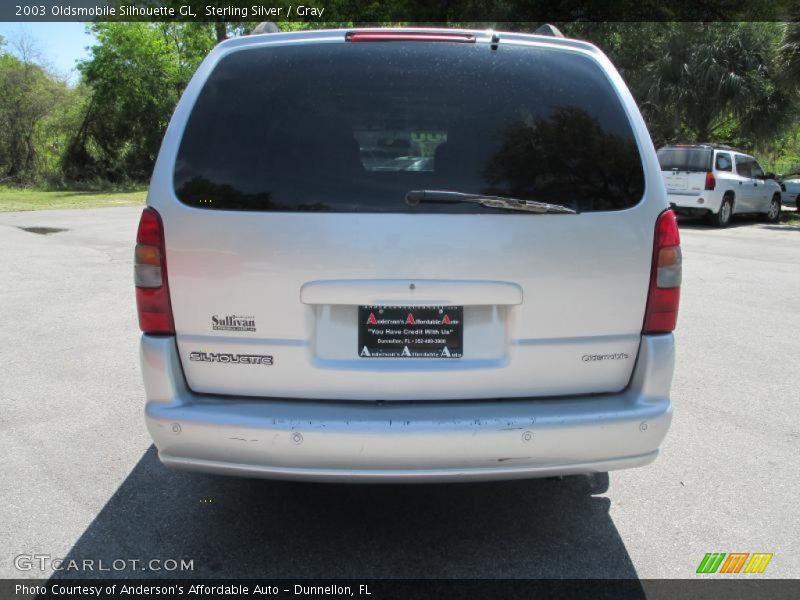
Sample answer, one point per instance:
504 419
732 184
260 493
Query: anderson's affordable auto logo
734 562
411 320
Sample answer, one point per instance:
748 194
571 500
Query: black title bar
417 11
708 588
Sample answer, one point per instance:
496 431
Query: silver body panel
407 441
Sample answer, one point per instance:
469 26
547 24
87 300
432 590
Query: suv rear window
685 159
353 127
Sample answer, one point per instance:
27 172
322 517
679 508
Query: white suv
492 297
790 191
718 181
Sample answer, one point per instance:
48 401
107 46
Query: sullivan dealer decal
233 323
240 359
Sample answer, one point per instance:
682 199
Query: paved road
81 480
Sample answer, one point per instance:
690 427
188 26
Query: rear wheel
774 211
725 213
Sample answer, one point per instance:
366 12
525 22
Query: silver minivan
407 255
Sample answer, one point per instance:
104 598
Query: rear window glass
685 159
353 127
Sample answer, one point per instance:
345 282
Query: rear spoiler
550 30
265 27
270 27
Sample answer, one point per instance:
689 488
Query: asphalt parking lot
81 479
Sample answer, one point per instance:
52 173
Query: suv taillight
150 276
664 295
711 181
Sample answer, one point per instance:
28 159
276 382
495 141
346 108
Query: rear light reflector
400 36
150 276
711 181
147 267
664 294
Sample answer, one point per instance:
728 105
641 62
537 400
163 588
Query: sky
60 44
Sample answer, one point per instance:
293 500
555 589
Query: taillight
408 36
664 295
711 181
150 276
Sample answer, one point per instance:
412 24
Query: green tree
630 46
30 96
790 52
730 82
717 82
136 72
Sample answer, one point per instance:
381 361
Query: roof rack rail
715 146
548 29
727 147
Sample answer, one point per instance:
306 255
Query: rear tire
725 213
774 213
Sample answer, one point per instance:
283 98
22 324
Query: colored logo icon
734 562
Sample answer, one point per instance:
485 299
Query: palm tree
716 82
790 51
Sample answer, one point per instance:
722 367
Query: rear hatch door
298 269
684 169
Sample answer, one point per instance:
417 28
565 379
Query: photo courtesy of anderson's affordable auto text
399 299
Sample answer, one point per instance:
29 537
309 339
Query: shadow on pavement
703 223
700 223
237 528
784 227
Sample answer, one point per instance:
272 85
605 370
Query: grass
12 199
790 217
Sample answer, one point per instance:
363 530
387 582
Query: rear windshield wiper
414 197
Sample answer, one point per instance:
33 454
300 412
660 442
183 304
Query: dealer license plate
410 331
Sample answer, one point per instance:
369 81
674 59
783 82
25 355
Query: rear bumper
407 441
690 203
